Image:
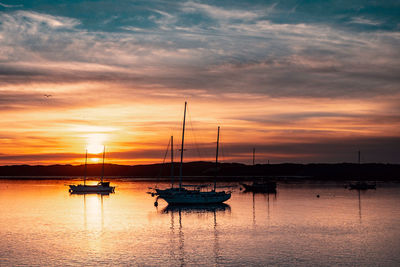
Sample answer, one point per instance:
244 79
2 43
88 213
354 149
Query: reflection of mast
181 239
359 204
102 212
216 240
84 212
268 207
172 243
203 209
254 210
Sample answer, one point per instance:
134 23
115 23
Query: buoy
156 204
317 195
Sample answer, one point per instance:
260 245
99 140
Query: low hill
229 171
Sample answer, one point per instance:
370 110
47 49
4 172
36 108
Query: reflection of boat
194 195
101 187
197 208
362 186
177 249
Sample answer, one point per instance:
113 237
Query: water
42 224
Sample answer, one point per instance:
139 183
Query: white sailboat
101 187
184 195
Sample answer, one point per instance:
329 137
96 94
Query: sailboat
361 185
184 195
101 187
260 185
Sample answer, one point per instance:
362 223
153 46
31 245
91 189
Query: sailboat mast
102 168
84 178
172 161
183 137
216 162
254 155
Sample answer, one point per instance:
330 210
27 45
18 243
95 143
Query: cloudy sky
301 81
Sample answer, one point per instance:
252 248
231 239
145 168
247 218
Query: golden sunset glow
137 131
297 97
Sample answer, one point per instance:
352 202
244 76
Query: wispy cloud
32 18
220 13
366 21
10 6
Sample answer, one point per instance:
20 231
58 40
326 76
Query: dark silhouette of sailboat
184 195
261 184
101 188
361 185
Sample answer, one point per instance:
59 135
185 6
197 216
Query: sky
300 81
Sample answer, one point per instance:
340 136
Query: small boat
194 195
100 188
261 185
361 186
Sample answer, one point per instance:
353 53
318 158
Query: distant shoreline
205 171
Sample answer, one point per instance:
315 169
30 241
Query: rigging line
221 145
163 162
194 135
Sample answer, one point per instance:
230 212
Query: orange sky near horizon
137 131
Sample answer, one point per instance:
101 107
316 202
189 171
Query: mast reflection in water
181 211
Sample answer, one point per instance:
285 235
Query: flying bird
47 95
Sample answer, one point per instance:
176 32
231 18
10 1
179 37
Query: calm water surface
42 224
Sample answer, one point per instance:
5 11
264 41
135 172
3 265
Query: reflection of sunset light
95 159
93 213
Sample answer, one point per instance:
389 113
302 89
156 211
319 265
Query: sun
95 148
95 143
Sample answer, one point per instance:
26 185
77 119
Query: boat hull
91 189
195 197
262 188
362 186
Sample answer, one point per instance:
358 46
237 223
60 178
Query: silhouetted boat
361 186
260 185
101 188
183 195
